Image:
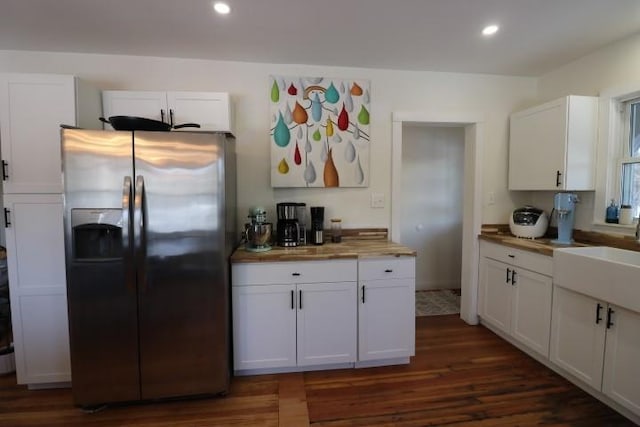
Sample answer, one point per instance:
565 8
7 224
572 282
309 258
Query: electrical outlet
377 200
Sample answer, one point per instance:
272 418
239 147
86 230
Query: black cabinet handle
171 116
513 277
610 313
162 115
300 297
5 174
295 274
508 273
511 256
388 270
363 294
292 296
7 223
558 175
598 317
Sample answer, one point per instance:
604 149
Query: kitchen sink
602 272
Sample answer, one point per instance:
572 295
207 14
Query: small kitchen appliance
564 205
317 225
258 231
528 222
288 233
301 214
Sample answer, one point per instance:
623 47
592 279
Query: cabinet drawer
263 273
531 261
387 268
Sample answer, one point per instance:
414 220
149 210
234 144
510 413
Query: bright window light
490 30
221 8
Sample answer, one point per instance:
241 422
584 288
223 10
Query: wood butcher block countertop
348 248
499 233
542 245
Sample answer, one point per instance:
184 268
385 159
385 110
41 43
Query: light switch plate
377 200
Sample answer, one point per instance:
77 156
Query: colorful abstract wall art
319 132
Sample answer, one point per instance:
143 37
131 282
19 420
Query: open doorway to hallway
432 212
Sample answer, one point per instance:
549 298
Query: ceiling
536 36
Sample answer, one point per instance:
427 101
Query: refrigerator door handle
127 207
139 229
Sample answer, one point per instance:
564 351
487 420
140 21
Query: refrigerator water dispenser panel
96 234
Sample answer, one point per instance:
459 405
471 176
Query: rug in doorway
437 302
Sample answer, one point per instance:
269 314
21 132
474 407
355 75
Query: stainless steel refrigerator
149 221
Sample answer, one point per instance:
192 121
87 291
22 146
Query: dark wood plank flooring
461 376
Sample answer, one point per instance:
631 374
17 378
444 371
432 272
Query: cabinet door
264 326
211 110
32 107
495 293
537 147
531 321
37 284
578 335
327 323
148 104
622 355
386 319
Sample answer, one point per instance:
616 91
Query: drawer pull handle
295 274
388 270
511 256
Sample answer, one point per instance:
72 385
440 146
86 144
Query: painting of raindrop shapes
319 131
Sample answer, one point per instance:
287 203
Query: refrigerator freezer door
101 291
183 286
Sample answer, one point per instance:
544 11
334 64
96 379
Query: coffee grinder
564 205
317 225
288 232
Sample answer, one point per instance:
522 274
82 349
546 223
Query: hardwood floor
461 376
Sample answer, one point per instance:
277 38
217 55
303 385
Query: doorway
472 124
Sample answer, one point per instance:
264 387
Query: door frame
473 124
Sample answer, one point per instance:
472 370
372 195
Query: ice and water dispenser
96 234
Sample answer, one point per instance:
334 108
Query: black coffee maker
317 225
288 233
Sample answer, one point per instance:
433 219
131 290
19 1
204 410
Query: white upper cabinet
552 146
32 108
211 110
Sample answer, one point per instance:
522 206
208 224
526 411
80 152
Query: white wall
432 195
492 96
612 66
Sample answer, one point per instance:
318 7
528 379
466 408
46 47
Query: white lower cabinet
294 314
37 286
386 309
515 294
317 314
599 344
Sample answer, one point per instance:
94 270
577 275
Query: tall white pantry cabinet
32 108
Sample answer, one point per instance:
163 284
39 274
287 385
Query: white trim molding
473 125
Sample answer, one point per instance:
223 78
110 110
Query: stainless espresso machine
288 229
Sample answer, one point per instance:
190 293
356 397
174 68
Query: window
629 161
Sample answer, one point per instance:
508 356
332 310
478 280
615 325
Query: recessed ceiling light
490 30
221 8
